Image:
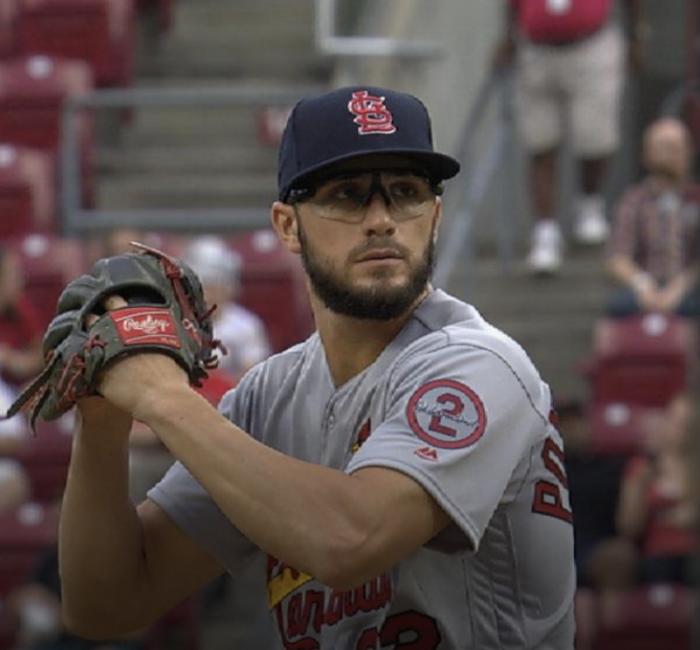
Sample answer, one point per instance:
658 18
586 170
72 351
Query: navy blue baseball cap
357 121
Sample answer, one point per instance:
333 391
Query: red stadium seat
621 429
642 359
98 32
32 92
27 191
272 286
48 263
45 457
650 618
8 10
24 534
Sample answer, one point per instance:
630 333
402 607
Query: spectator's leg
623 303
545 254
689 306
595 88
539 120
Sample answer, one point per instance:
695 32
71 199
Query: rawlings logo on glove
166 313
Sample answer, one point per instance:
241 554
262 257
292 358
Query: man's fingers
114 302
109 303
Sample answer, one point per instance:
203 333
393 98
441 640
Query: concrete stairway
551 317
190 157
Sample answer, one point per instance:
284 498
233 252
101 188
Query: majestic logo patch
139 325
447 414
370 114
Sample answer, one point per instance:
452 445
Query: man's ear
284 221
438 220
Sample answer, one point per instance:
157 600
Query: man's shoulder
280 364
454 324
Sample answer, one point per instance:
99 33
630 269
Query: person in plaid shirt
655 244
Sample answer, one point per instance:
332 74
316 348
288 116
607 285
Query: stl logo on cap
370 114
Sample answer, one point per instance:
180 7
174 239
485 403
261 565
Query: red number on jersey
408 630
455 409
549 494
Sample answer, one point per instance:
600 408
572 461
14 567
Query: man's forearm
102 563
316 519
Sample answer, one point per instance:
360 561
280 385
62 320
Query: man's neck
353 344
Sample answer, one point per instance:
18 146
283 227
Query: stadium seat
272 286
650 617
24 534
641 359
97 32
8 10
620 428
48 263
27 191
45 458
32 92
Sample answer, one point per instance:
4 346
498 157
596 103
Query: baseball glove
165 312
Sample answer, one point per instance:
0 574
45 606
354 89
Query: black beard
374 304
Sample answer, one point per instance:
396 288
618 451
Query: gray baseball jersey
456 405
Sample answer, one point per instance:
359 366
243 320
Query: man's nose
378 215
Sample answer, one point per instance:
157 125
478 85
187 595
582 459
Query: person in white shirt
242 333
14 482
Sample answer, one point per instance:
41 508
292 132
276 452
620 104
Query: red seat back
650 618
24 534
8 10
32 93
97 32
27 192
272 286
642 359
45 458
621 428
48 263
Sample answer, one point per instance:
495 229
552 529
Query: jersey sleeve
191 507
461 420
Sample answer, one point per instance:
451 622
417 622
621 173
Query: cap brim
438 166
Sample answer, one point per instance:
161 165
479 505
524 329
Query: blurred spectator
655 248
242 333
657 510
634 518
20 325
37 611
594 481
14 482
569 58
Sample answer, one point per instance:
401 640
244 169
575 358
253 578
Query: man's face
374 269
667 150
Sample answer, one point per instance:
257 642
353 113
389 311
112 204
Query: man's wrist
163 404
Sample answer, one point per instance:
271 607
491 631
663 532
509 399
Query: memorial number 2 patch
446 414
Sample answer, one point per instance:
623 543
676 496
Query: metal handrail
328 42
458 243
78 220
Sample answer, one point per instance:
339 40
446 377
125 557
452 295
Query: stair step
186 159
178 190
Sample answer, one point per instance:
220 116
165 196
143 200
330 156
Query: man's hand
135 379
142 304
